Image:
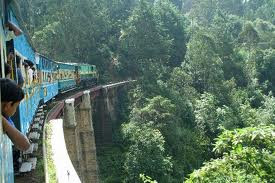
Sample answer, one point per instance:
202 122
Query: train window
49 77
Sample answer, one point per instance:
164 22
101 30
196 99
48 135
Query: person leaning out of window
11 96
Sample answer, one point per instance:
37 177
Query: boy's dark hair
10 92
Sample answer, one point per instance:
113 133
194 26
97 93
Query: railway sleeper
25 167
34 136
33 148
37 126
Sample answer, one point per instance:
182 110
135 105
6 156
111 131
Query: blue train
43 78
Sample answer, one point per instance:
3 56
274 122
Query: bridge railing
94 92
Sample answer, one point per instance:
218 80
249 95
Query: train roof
67 63
40 55
78 64
83 64
13 5
22 43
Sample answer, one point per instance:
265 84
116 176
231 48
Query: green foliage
248 155
110 161
146 179
146 153
203 11
202 63
174 24
50 163
234 7
249 36
266 32
55 23
189 152
223 170
159 111
248 115
210 117
205 113
266 69
266 113
261 137
263 9
144 40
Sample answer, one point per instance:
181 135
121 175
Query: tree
234 7
174 25
266 113
205 114
247 156
249 36
225 30
146 153
266 31
159 111
69 30
203 11
202 62
147 179
143 41
260 9
266 69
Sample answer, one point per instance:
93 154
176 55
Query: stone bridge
79 124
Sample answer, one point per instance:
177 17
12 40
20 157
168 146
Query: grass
50 163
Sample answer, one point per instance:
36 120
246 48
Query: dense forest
203 109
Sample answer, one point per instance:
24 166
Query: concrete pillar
106 123
111 104
106 115
71 135
87 140
69 114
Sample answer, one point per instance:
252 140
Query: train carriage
24 51
87 74
66 76
48 71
